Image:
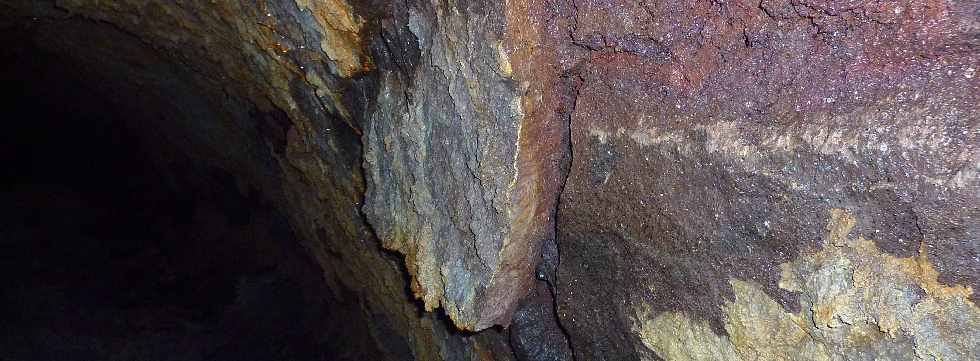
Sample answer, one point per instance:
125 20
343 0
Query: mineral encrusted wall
713 143
694 180
271 92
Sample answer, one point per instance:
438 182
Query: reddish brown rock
710 139
710 170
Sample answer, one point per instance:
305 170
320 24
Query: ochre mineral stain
855 299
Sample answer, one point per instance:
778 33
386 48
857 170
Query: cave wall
773 180
234 91
698 180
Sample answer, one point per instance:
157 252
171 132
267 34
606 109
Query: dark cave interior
529 180
116 248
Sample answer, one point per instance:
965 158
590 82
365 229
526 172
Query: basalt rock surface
745 174
584 179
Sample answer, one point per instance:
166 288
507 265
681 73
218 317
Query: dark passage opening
114 248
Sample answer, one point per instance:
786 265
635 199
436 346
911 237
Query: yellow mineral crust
341 35
853 297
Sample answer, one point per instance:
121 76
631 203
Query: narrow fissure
323 180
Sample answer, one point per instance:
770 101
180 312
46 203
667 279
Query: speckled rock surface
462 174
272 92
440 155
613 180
711 142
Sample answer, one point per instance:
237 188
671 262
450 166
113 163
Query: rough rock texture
464 151
271 92
534 331
858 303
688 180
463 163
710 142
440 155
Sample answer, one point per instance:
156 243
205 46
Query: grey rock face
774 180
460 177
440 151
